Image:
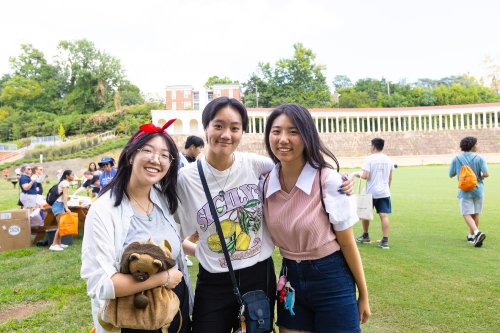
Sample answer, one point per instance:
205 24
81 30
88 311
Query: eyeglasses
164 157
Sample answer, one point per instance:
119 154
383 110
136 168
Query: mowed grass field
431 279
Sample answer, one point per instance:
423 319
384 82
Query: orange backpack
467 179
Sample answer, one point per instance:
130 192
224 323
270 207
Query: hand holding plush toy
151 309
142 261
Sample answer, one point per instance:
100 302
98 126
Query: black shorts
215 305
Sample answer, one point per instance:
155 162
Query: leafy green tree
213 80
61 132
92 76
297 80
130 94
32 65
257 92
20 92
341 81
350 98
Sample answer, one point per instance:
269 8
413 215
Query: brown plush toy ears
158 263
136 256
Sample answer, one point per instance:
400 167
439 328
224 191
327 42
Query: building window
174 105
210 96
196 106
196 96
187 105
186 94
173 94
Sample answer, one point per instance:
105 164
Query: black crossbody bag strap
210 200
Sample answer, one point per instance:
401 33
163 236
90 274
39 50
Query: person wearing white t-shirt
377 170
233 179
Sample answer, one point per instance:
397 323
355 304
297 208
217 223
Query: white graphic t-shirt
379 166
239 210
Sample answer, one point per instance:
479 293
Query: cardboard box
15 230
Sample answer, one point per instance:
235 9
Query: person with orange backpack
470 169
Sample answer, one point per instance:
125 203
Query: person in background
192 148
311 221
471 202
108 171
136 206
93 169
61 206
40 173
28 185
86 185
377 170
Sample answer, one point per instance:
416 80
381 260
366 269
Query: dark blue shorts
383 205
325 296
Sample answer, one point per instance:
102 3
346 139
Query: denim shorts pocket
332 265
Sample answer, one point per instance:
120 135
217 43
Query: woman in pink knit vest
311 221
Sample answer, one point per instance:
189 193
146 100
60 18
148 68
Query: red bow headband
150 128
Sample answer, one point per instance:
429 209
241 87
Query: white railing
434 118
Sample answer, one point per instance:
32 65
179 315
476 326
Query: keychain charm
282 280
290 298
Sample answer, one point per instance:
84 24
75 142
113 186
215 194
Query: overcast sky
167 42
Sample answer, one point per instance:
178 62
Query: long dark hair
167 185
65 174
313 146
95 167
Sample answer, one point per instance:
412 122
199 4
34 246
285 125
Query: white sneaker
63 245
189 263
55 247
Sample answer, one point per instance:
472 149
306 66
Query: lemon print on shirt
236 239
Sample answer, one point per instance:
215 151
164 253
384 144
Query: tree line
76 91
302 81
85 90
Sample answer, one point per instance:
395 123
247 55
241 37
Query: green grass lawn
431 280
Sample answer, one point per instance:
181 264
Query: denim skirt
58 208
325 296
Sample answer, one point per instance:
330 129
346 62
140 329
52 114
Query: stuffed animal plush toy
151 309
142 261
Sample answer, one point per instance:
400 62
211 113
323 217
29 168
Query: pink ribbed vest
298 223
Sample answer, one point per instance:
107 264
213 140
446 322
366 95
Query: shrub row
70 152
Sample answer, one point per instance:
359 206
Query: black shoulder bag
254 315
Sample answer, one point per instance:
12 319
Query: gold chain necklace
221 192
149 215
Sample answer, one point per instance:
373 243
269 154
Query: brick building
187 97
